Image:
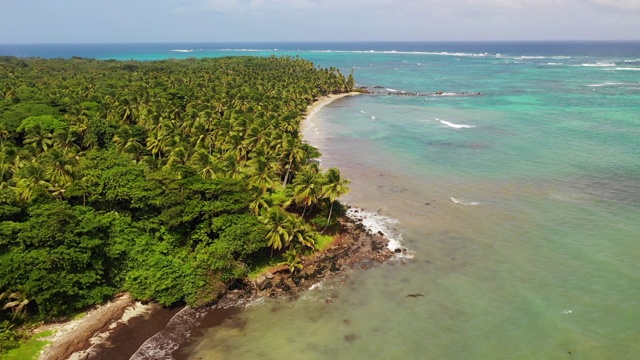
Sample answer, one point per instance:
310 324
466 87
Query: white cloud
249 5
220 5
633 5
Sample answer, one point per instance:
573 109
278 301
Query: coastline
354 246
308 129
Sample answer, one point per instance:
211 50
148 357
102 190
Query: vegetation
30 349
167 179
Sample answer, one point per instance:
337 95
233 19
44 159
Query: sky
117 21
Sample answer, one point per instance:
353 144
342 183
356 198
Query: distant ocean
520 205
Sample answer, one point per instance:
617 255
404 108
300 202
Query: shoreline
354 246
307 126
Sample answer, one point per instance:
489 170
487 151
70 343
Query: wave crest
455 126
462 202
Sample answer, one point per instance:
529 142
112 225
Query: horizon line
330 41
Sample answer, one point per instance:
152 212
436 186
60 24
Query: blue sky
98 21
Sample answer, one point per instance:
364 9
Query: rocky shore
354 247
380 90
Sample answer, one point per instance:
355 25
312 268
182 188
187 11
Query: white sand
308 127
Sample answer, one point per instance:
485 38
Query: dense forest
166 179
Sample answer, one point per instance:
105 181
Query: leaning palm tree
335 186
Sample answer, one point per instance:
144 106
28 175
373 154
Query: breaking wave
462 202
455 126
608 83
379 224
598 64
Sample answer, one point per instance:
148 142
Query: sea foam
455 126
462 202
376 223
608 83
598 64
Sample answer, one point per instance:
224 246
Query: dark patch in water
235 322
346 322
350 338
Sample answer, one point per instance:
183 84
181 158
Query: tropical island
168 180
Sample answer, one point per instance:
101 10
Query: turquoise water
521 206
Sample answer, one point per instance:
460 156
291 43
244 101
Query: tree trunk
328 219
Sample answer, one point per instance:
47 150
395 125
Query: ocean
520 204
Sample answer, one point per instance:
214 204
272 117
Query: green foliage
292 261
13 117
48 123
169 179
9 337
29 349
324 241
158 270
60 245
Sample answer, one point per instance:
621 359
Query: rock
265 285
269 275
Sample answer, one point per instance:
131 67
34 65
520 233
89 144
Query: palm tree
179 157
302 233
205 164
65 141
261 174
334 187
125 139
60 167
278 225
307 187
31 180
39 138
293 154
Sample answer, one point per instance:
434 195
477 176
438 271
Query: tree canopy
164 178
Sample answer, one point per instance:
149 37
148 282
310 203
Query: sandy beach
308 128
